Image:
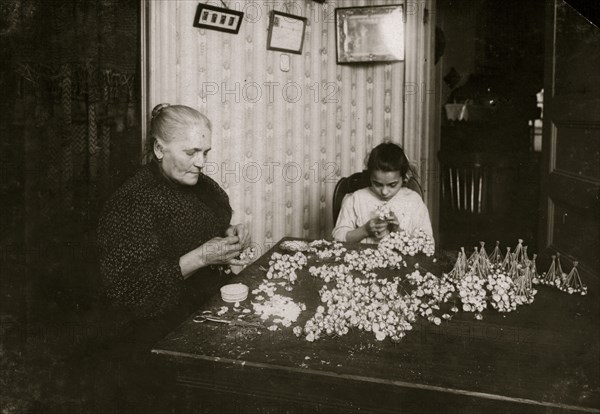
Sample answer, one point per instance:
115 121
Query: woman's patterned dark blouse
146 227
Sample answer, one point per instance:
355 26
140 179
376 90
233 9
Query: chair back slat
465 182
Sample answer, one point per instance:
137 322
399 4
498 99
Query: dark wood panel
578 150
572 109
581 195
576 51
287 392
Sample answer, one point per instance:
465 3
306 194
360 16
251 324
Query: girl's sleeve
135 272
347 219
423 221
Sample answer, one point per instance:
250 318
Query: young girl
359 218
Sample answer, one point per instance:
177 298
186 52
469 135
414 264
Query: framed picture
369 34
286 32
218 18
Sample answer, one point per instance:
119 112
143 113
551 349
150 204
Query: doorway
491 72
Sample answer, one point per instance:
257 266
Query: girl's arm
357 234
423 220
346 221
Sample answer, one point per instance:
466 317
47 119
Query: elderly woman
163 229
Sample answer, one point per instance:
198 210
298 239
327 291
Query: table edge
396 383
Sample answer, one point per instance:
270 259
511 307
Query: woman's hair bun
158 108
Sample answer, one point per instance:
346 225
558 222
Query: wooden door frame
548 132
145 74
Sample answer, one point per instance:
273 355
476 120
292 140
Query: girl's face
385 184
183 158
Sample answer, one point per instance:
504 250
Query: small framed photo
218 18
369 34
286 32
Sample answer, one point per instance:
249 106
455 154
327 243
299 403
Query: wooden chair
477 195
465 183
356 181
468 181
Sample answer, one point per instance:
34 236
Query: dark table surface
543 357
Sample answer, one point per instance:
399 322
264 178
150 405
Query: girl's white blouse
361 206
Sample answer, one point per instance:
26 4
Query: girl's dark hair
388 157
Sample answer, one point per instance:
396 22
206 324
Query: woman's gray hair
168 119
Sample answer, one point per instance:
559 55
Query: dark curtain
70 135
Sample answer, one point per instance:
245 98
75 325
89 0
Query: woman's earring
159 159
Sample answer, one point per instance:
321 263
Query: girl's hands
377 228
393 223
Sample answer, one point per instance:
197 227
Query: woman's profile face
185 155
385 184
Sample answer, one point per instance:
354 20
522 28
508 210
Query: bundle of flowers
384 212
570 283
248 254
503 282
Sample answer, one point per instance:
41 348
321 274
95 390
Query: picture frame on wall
370 34
218 18
286 32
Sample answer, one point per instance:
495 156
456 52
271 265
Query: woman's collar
160 175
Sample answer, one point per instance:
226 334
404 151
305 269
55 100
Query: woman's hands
241 231
219 250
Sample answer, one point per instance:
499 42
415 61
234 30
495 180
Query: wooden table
543 357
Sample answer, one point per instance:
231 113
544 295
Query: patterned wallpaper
281 140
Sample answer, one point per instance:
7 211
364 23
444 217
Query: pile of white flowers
375 305
325 249
429 292
369 304
294 245
472 294
503 292
330 273
283 310
407 244
353 297
365 302
370 259
284 266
